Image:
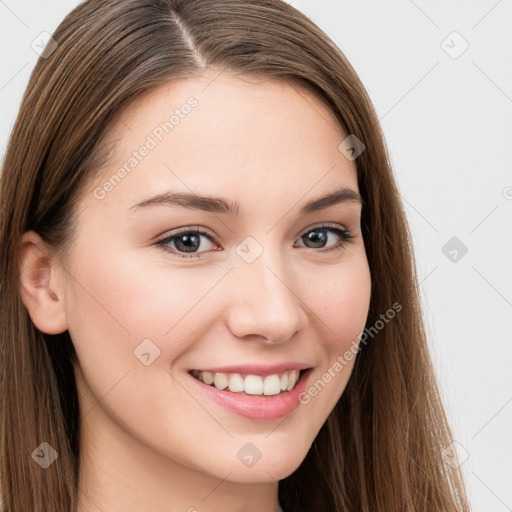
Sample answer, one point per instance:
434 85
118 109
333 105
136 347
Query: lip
257 369
256 407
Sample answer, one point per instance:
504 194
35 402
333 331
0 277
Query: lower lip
257 407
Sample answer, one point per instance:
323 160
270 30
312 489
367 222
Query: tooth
236 383
220 380
207 377
272 385
253 385
292 379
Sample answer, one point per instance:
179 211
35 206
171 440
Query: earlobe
41 288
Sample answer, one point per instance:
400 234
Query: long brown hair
381 448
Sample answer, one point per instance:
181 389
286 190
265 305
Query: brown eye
318 237
186 242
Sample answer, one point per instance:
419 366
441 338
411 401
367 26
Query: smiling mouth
251 384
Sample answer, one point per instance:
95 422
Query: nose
263 302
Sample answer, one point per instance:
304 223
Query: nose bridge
265 302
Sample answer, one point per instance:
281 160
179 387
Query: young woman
209 299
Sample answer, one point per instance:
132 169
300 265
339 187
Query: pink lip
257 407
258 369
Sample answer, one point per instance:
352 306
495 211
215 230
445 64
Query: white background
448 124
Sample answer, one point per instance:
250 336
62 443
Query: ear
41 285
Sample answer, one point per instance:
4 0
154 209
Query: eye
344 236
187 241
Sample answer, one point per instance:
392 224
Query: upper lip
257 369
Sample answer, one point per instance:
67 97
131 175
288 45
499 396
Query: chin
270 469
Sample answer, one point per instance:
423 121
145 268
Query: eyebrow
224 206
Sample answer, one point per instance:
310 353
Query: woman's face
261 289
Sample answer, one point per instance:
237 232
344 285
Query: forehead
219 134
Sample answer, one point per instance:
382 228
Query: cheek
125 296
340 299
125 313
113 305
341 309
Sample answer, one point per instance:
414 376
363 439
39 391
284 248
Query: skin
149 441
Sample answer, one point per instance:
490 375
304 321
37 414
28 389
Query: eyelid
186 229
323 225
207 231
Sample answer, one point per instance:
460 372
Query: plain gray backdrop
440 76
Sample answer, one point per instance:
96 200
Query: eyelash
344 234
